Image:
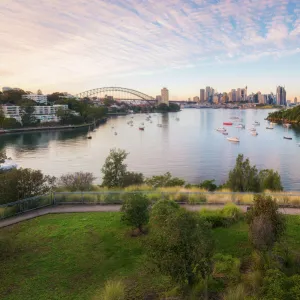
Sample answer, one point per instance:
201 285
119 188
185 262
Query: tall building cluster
280 96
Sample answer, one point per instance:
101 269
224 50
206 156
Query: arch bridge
118 93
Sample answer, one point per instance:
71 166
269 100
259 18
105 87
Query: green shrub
226 267
214 217
253 281
235 293
232 211
196 199
113 290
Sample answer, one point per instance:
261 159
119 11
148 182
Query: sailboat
287 137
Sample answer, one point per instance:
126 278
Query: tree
114 169
266 223
270 180
244 177
39 92
78 181
208 185
21 183
2 116
135 210
132 178
28 119
165 180
180 243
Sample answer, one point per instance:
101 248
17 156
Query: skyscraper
165 96
280 96
233 95
202 95
207 93
238 95
295 100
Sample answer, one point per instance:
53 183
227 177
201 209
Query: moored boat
254 133
269 128
287 137
240 126
227 123
225 133
221 129
141 128
233 139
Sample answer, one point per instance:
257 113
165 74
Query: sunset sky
185 45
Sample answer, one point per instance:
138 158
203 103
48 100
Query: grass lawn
70 256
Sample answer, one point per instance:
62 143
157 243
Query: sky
184 45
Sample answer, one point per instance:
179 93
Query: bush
235 293
180 244
214 217
78 181
135 210
132 178
208 185
266 223
196 199
232 211
227 267
165 180
113 290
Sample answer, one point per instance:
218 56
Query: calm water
189 148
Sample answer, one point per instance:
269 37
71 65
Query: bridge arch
96 91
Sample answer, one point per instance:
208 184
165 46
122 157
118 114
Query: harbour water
189 148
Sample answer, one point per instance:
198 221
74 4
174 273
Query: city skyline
182 45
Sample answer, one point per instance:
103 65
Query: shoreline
50 128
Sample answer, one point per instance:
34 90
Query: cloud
44 43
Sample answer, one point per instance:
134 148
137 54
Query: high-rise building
295 100
280 96
230 96
202 95
238 95
233 95
158 99
196 99
244 94
207 93
165 96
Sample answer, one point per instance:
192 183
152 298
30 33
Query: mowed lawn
70 256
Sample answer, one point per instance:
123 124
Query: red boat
227 123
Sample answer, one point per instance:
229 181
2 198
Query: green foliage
208 185
3 156
165 180
276 285
288 115
266 223
172 107
224 217
180 244
226 267
78 181
28 119
12 97
113 290
132 178
270 180
21 183
11 123
135 210
237 292
114 169
244 177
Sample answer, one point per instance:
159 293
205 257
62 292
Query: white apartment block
42 113
41 99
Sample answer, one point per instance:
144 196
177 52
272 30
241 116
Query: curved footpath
109 208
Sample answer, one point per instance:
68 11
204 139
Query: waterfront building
295 100
202 95
230 96
196 99
40 99
244 94
42 113
207 93
216 99
238 95
165 96
280 95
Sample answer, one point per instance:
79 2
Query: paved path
108 208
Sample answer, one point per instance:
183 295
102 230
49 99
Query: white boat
287 137
252 129
221 129
240 126
254 133
272 123
256 123
233 139
225 133
287 125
